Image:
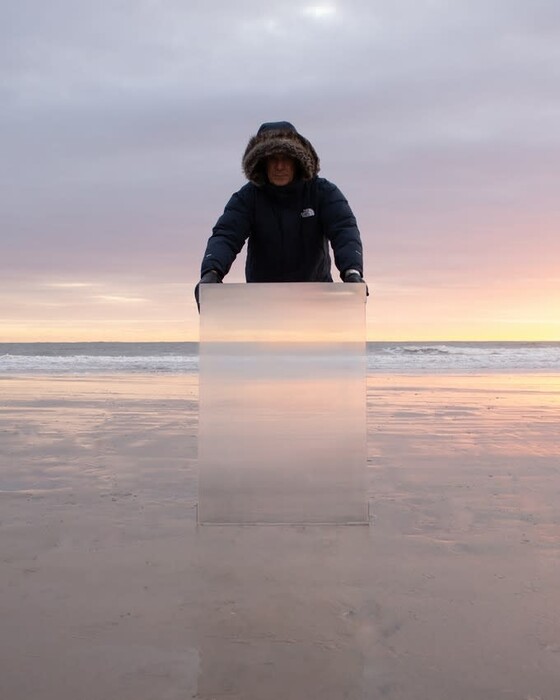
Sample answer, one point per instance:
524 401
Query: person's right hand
210 277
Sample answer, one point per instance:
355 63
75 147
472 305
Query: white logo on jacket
306 213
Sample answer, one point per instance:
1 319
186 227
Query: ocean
180 358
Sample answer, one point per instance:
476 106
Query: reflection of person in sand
288 214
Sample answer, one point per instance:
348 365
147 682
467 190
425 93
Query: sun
319 11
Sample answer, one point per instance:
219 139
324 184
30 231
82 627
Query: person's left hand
354 276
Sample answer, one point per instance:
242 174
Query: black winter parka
288 229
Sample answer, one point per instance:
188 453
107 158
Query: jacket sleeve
229 234
341 229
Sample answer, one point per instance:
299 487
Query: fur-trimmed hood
278 137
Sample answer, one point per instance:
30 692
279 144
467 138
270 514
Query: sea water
182 357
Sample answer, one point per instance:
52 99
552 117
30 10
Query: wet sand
109 590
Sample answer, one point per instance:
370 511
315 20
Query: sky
123 124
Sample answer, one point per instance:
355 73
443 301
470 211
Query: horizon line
367 340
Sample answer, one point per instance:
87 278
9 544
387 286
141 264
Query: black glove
210 277
354 276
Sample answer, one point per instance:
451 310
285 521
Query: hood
279 137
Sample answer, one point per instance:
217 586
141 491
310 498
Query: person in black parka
288 214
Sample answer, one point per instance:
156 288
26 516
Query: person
288 214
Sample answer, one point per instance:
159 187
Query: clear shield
282 436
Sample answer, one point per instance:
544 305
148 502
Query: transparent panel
282 435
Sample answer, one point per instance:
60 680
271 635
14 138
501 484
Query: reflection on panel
282 403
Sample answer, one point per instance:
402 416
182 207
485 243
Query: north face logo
306 213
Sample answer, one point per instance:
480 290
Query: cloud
117 299
69 285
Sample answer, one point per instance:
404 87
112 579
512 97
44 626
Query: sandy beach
108 589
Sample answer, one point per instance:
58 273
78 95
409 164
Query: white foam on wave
93 364
465 357
381 357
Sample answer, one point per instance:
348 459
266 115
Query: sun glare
319 11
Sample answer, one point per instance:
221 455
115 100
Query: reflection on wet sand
109 589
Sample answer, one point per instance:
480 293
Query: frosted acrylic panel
282 436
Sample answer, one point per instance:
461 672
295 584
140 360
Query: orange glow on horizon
181 331
71 313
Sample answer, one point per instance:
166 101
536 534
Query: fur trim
283 140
